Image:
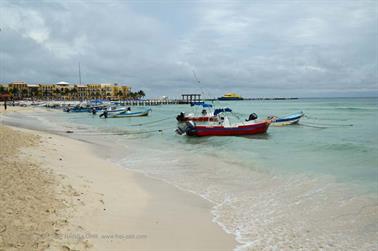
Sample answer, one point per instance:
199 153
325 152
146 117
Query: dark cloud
270 48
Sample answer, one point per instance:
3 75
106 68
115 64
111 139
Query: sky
288 48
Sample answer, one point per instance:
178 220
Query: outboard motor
104 114
186 128
252 116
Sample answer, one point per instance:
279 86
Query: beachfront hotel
65 91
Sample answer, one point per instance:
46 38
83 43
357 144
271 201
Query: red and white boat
224 129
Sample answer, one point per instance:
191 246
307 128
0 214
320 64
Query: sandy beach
57 194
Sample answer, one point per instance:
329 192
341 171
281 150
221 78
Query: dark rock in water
69 131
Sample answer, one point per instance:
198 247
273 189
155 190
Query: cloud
294 48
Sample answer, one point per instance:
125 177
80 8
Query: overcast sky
255 48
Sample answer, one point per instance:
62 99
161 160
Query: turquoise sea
309 186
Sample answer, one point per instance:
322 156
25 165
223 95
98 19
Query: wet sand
59 195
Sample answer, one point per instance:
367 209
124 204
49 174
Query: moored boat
244 128
230 96
224 128
287 119
77 109
131 114
123 113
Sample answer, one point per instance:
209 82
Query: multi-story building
66 91
120 91
47 90
80 92
18 89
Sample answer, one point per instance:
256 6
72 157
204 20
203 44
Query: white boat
123 113
287 119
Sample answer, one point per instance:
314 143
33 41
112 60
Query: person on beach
5 105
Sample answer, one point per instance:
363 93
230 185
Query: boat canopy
220 110
203 104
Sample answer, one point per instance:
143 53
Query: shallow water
309 186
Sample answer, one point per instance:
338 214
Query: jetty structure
189 98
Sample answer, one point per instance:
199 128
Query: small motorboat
77 109
224 128
287 119
127 114
124 113
112 110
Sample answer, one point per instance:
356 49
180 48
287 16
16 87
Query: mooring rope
320 127
119 133
152 122
335 125
148 131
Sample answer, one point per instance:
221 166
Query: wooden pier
152 102
186 99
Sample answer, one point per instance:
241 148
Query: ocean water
310 186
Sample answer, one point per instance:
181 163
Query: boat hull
288 120
230 99
251 129
77 110
130 114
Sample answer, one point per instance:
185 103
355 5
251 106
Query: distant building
18 89
66 91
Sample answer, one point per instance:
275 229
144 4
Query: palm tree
33 93
57 93
13 91
73 92
141 94
45 94
24 93
120 94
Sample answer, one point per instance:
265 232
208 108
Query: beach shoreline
112 208
260 209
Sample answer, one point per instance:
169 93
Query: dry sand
62 196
